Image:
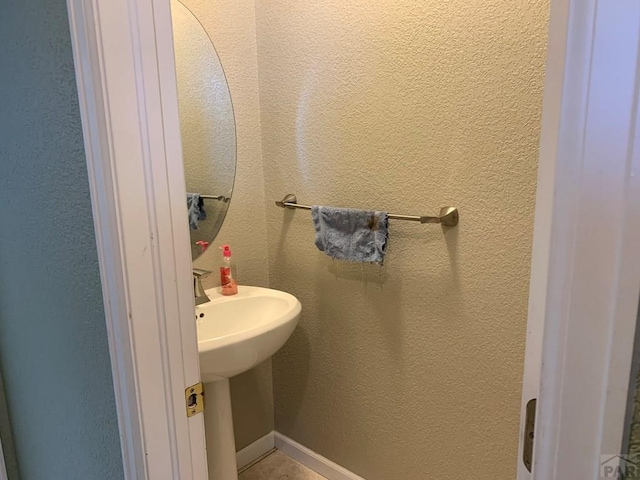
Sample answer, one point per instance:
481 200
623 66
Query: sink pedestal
221 444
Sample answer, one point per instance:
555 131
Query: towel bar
448 215
216 197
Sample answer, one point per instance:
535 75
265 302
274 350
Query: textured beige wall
414 370
231 26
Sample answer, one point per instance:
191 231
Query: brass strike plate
529 429
194 399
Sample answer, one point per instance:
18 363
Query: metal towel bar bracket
448 217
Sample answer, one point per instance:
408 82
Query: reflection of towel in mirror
354 235
195 204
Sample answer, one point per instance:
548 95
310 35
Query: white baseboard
257 449
312 460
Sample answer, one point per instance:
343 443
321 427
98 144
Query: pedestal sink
235 334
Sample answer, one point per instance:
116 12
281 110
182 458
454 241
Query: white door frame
123 55
585 282
584 292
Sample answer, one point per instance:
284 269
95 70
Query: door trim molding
123 55
586 275
544 213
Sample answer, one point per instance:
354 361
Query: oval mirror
207 128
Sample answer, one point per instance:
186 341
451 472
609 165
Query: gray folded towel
354 235
195 204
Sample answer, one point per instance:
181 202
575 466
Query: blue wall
54 356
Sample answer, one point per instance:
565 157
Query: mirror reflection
207 128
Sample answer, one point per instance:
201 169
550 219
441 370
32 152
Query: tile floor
278 466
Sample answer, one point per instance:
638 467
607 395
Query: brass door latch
194 399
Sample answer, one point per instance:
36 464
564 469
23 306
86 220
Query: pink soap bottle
228 285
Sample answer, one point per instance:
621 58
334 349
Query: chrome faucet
198 290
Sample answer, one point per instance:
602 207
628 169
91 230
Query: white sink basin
238 332
235 334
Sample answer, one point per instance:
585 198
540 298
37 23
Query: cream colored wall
414 370
231 26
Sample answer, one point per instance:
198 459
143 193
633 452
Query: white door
585 279
124 61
